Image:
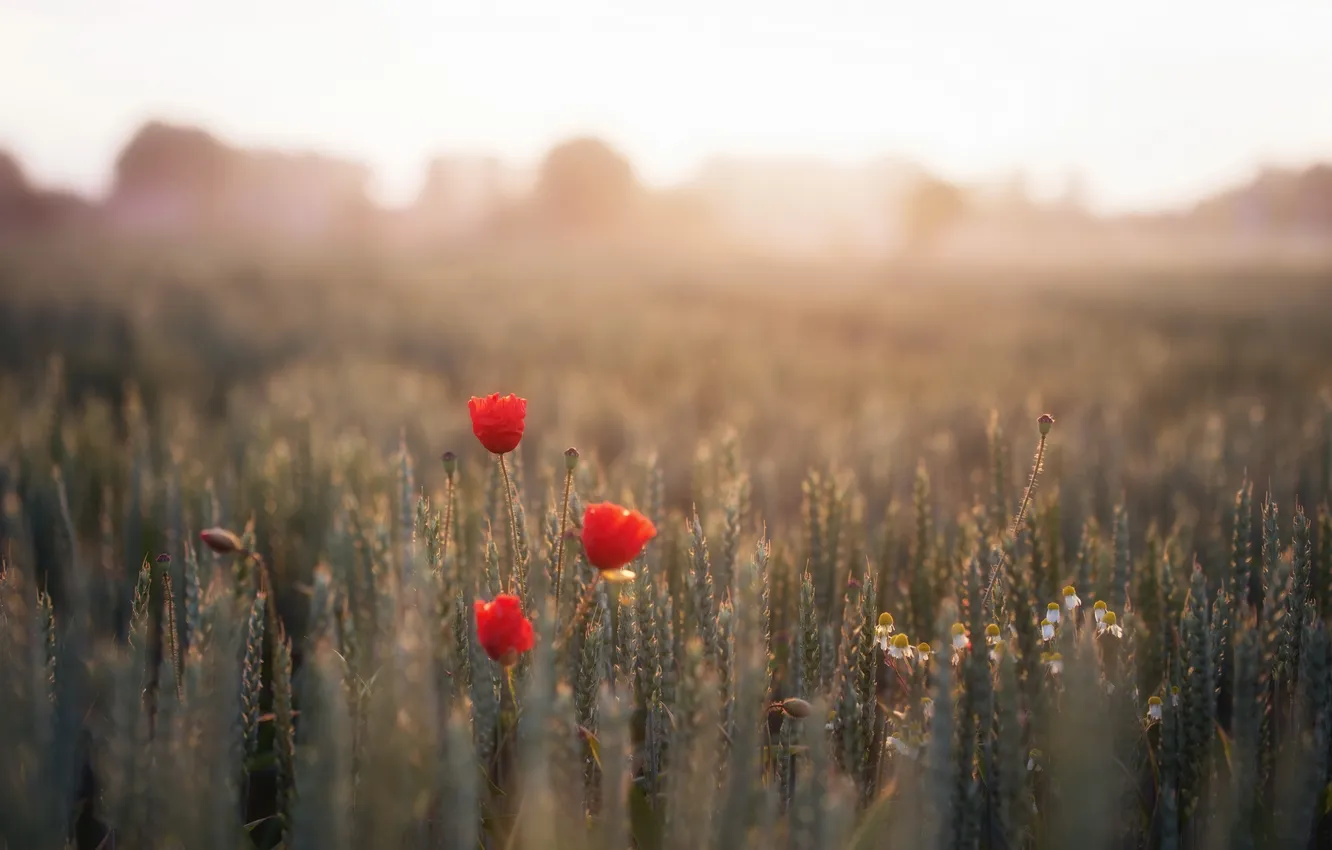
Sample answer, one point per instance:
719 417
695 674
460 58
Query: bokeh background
796 278
846 233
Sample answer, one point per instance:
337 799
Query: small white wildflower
1154 708
901 646
960 641
997 651
1047 630
1071 600
903 747
1108 624
923 652
1055 662
1052 612
884 630
1033 760
927 707
992 634
1098 610
1174 697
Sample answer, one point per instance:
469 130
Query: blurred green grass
868 366
271 393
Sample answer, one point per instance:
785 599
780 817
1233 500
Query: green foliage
324 688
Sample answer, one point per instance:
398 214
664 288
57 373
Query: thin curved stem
513 525
1017 520
580 613
448 520
564 530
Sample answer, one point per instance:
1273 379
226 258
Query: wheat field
1126 617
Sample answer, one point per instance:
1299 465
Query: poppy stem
513 692
169 629
564 530
515 586
448 519
580 613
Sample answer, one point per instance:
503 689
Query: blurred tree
930 208
13 183
14 194
25 207
160 155
585 184
178 179
1275 199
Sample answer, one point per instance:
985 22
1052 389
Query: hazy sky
1155 101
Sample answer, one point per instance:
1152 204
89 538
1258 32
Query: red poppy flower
498 421
502 629
613 536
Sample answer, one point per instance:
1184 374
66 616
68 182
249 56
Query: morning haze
796 127
730 425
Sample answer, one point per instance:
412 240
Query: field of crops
248 518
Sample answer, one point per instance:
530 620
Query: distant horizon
98 186
1154 108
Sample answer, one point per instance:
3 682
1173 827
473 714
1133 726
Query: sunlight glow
1154 103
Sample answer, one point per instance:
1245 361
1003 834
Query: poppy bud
1044 423
221 541
571 458
796 707
450 463
164 558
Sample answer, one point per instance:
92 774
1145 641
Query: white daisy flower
1108 624
960 641
1047 630
1098 610
903 747
1153 708
1052 612
1071 600
884 630
901 646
